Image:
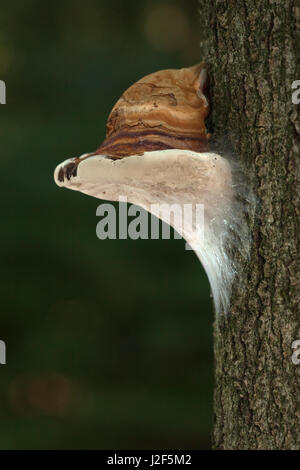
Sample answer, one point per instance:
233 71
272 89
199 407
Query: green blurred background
109 343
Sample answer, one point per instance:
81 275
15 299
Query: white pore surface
168 177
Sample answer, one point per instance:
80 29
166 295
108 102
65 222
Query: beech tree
252 50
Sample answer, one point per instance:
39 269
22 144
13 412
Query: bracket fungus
156 151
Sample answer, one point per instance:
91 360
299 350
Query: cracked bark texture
252 48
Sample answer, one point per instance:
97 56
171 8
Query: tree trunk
252 51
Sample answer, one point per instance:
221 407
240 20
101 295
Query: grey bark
252 48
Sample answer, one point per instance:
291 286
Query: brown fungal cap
164 110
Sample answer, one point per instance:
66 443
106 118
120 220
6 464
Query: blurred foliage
109 343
